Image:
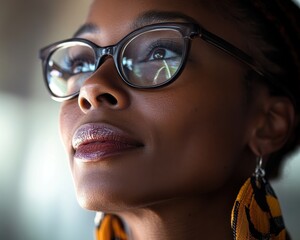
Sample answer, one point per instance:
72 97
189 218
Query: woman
172 109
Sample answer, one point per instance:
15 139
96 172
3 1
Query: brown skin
200 135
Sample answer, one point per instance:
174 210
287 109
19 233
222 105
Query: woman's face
140 147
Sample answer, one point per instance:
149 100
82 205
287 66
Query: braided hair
272 30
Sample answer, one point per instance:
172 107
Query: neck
188 218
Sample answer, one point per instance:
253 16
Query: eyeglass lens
149 59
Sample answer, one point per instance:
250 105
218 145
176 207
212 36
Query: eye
163 51
161 54
80 64
78 59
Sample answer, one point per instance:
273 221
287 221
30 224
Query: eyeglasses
150 57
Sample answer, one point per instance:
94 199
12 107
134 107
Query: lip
94 142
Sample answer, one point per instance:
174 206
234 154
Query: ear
274 126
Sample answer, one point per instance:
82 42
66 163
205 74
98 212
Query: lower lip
98 151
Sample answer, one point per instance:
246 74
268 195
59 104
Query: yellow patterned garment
256 215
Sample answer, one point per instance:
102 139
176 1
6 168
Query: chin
99 202
95 197
100 199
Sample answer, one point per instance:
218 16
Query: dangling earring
109 227
256 212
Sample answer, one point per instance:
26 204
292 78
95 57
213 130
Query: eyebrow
87 28
144 19
154 16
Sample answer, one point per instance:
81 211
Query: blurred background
37 200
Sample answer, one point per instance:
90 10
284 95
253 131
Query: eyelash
169 45
71 60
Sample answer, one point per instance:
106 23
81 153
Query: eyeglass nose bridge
103 52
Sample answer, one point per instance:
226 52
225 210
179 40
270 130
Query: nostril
84 103
106 97
92 103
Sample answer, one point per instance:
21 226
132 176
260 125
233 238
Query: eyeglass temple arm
244 58
229 49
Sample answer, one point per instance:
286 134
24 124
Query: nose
104 88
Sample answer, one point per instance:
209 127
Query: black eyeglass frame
189 31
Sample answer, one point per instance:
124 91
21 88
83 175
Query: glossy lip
94 142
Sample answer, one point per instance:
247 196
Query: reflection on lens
165 69
68 67
153 58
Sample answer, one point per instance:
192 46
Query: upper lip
100 132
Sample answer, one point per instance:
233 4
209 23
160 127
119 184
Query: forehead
122 12
116 18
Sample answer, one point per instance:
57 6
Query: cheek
196 137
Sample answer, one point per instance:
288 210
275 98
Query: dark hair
272 30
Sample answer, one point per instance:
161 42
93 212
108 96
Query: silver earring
259 171
98 218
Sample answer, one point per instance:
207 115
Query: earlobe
274 128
